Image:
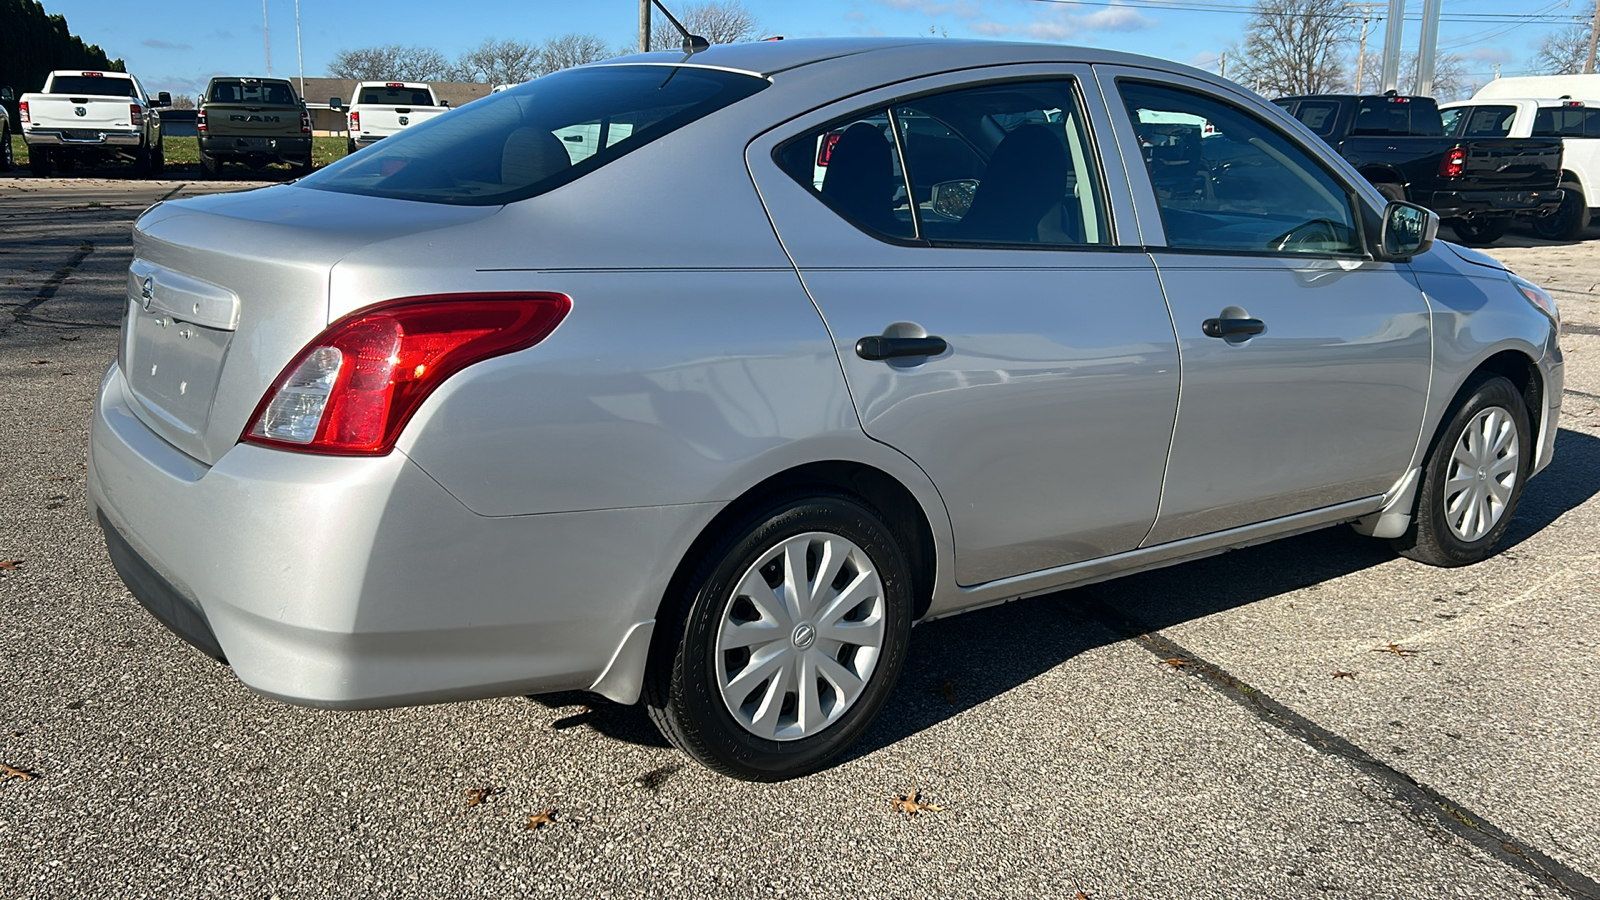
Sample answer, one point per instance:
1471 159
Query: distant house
325 121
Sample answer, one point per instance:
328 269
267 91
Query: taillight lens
135 115
200 121
355 121
352 390
22 110
1454 163
305 122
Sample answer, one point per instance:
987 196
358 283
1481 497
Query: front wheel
1569 220
1481 231
1472 479
783 645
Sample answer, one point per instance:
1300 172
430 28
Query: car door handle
1221 328
880 347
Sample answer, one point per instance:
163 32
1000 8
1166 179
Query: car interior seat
860 182
1025 181
532 154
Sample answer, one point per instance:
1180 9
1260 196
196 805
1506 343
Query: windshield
535 137
93 85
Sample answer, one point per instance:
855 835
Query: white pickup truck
80 115
382 108
1576 122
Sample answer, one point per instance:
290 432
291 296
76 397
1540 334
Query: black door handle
1224 327
879 347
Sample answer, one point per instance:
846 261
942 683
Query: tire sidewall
694 689
1490 392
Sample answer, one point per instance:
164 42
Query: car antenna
692 43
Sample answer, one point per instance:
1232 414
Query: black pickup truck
1476 185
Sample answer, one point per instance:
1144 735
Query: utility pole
644 26
1222 68
266 33
1391 46
1594 38
1428 49
299 51
1361 54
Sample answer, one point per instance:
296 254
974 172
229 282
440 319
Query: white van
1574 87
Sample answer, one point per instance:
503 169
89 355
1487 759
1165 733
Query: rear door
994 315
1306 365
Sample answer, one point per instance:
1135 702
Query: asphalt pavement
1309 718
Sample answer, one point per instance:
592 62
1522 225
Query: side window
1452 118
1489 121
1003 164
854 167
1225 180
1318 115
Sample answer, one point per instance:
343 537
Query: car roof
767 58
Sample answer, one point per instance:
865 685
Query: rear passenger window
1004 164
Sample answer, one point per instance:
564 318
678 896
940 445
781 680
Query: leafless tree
498 62
1450 78
721 22
1294 47
391 61
570 50
1563 52
183 101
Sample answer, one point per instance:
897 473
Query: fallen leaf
1343 674
1176 662
38 362
1396 649
911 804
481 795
946 690
7 773
548 817
11 564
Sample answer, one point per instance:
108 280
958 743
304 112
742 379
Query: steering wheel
1316 231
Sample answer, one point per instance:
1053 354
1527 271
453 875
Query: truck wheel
158 163
1390 190
350 148
305 168
1480 232
142 159
1570 218
210 166
39 161
6 159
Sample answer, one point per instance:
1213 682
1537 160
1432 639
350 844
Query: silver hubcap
801 637
1483 473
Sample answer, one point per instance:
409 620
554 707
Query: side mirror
5 93
164 99
1407 230
445 103
335 103
952 199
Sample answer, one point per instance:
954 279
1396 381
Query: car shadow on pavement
961 662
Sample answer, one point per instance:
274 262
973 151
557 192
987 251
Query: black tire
682 684
6 158
1390 190
1569 220
350 148
1431 538
143 160
1481 231
39 162
158 162
210 166
305 168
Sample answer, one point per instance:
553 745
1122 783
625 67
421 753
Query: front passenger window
1225 180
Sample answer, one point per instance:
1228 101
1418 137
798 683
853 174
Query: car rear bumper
82 137
1466 204
267 147
361 583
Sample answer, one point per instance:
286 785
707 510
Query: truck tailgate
90 114
1517 163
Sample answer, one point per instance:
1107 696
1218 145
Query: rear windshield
535 137
395 96
1397 116
1566 121
267 93
80 85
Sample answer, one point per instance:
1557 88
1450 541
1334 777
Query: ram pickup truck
382 108
254 121
85 115
1477 185
1575 123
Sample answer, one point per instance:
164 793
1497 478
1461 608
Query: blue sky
177 45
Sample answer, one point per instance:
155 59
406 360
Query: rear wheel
1481 231
158 162
785 642
6 158
143 160
1390 190
350 148
210 166
1472 479
39 161
1570 218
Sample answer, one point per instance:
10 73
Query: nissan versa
699 378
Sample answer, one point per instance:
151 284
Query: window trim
1144 191
1098 156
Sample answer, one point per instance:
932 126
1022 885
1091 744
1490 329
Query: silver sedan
701 378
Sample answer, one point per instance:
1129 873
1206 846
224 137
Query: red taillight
355 121
351 391
825 149
22 110
1454 163
305 122
135 115
200 121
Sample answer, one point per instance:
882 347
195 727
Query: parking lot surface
1310 718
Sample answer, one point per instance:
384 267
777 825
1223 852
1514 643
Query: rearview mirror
1407 230
335 103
